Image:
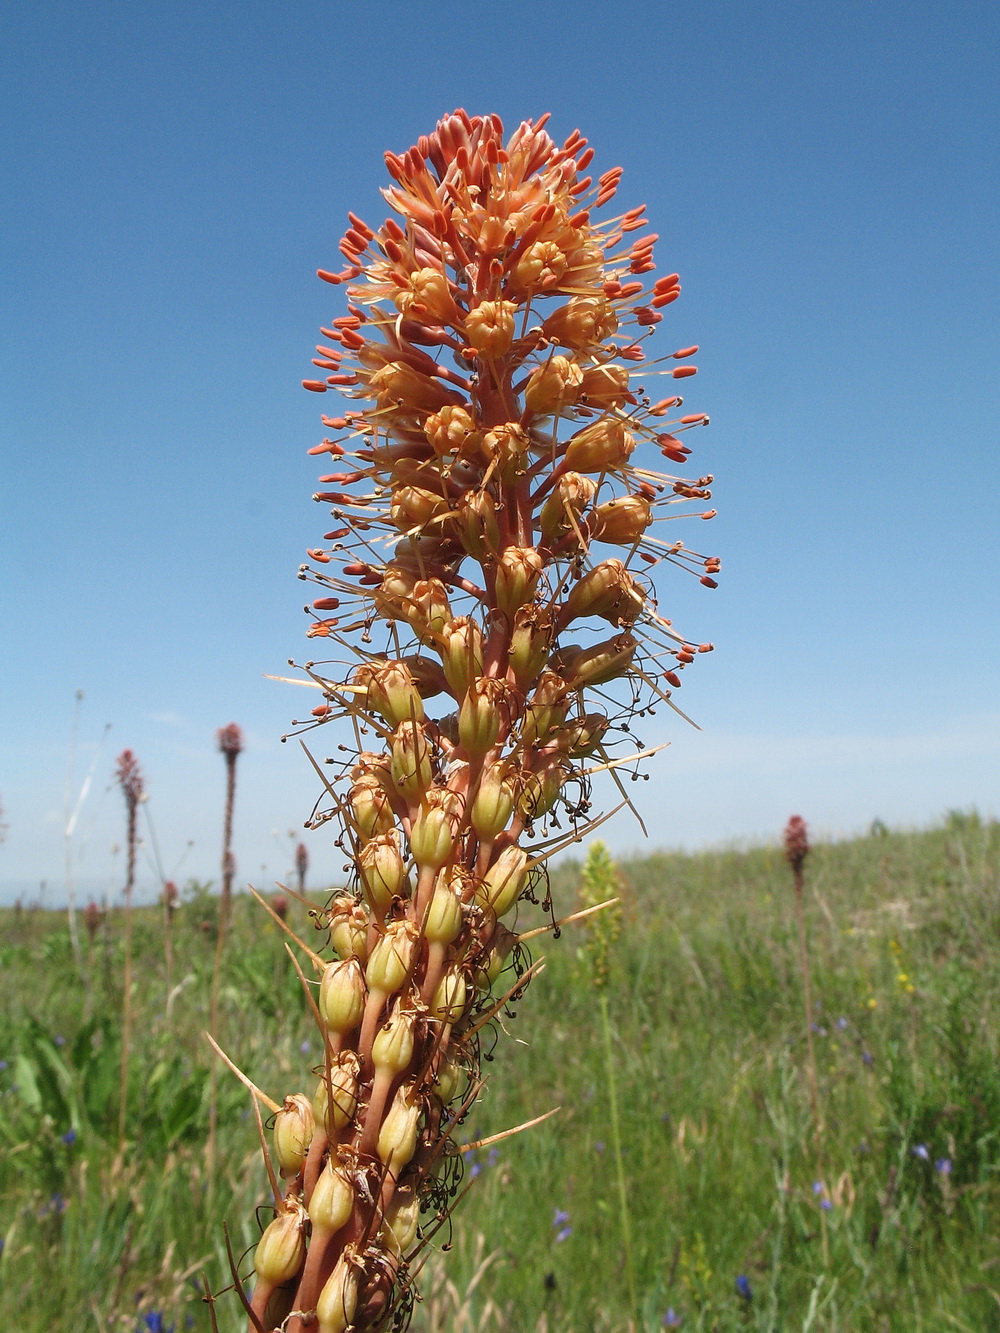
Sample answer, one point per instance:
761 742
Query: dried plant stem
131 783
800 917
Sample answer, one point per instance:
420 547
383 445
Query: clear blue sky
824 176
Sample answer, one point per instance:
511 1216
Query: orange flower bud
414 508
582 322
600 447
605 387
427 298
451 431
539 268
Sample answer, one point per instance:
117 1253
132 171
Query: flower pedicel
487 581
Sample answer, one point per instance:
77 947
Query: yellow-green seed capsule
541 790
530 644
552 386
598 664
281 1250
410 761
517 573
397 1139
563 510
608 591
391 691
335 1108
600 447
339 1298
382 871
476 521
449 1077
462 654
342 996
583 736
390 960
496 959
448 1002
547 709
348 928
432 833
428 609
494 803
621 521
294 1126
332 1199
404 1217
444 917
392 1049
479 717
504 880
372 811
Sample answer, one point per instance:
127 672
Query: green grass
709 1060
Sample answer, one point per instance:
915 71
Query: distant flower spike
495 347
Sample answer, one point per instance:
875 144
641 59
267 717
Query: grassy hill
743 1212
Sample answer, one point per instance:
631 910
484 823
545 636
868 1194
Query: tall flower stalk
129 777
495 527
230 740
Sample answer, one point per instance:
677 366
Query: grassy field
742 1215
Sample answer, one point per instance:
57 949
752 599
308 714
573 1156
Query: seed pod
410 761
432 833
600 447
479 717
541 790
335 1106
428 610
495 960
339 1298
570 496
371 807
403 1218
605 387
530 644
582 736
504 881
622 521
390 960
414 508
598 664
294 1126
462 654
342 996
449 1077
448 1002
494 803
608 591
332 1200
397 1139
281 1250
477 526
506 446
547 709
382 871
517 573
426 674
444 917
392 1049
348 928
553 386
391 691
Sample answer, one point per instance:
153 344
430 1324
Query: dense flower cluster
495 525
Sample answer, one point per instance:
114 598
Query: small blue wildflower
867 1058
825 1204
560 1217
743 1288
817 1187
671 1319
305 1048
599 1146
921 1151
154 1323
3 1064
2 1244
493 1157
69 1137
842 1024
943 1166
563 1234
476 1168
59 1041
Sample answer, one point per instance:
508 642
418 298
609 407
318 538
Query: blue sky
824 177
